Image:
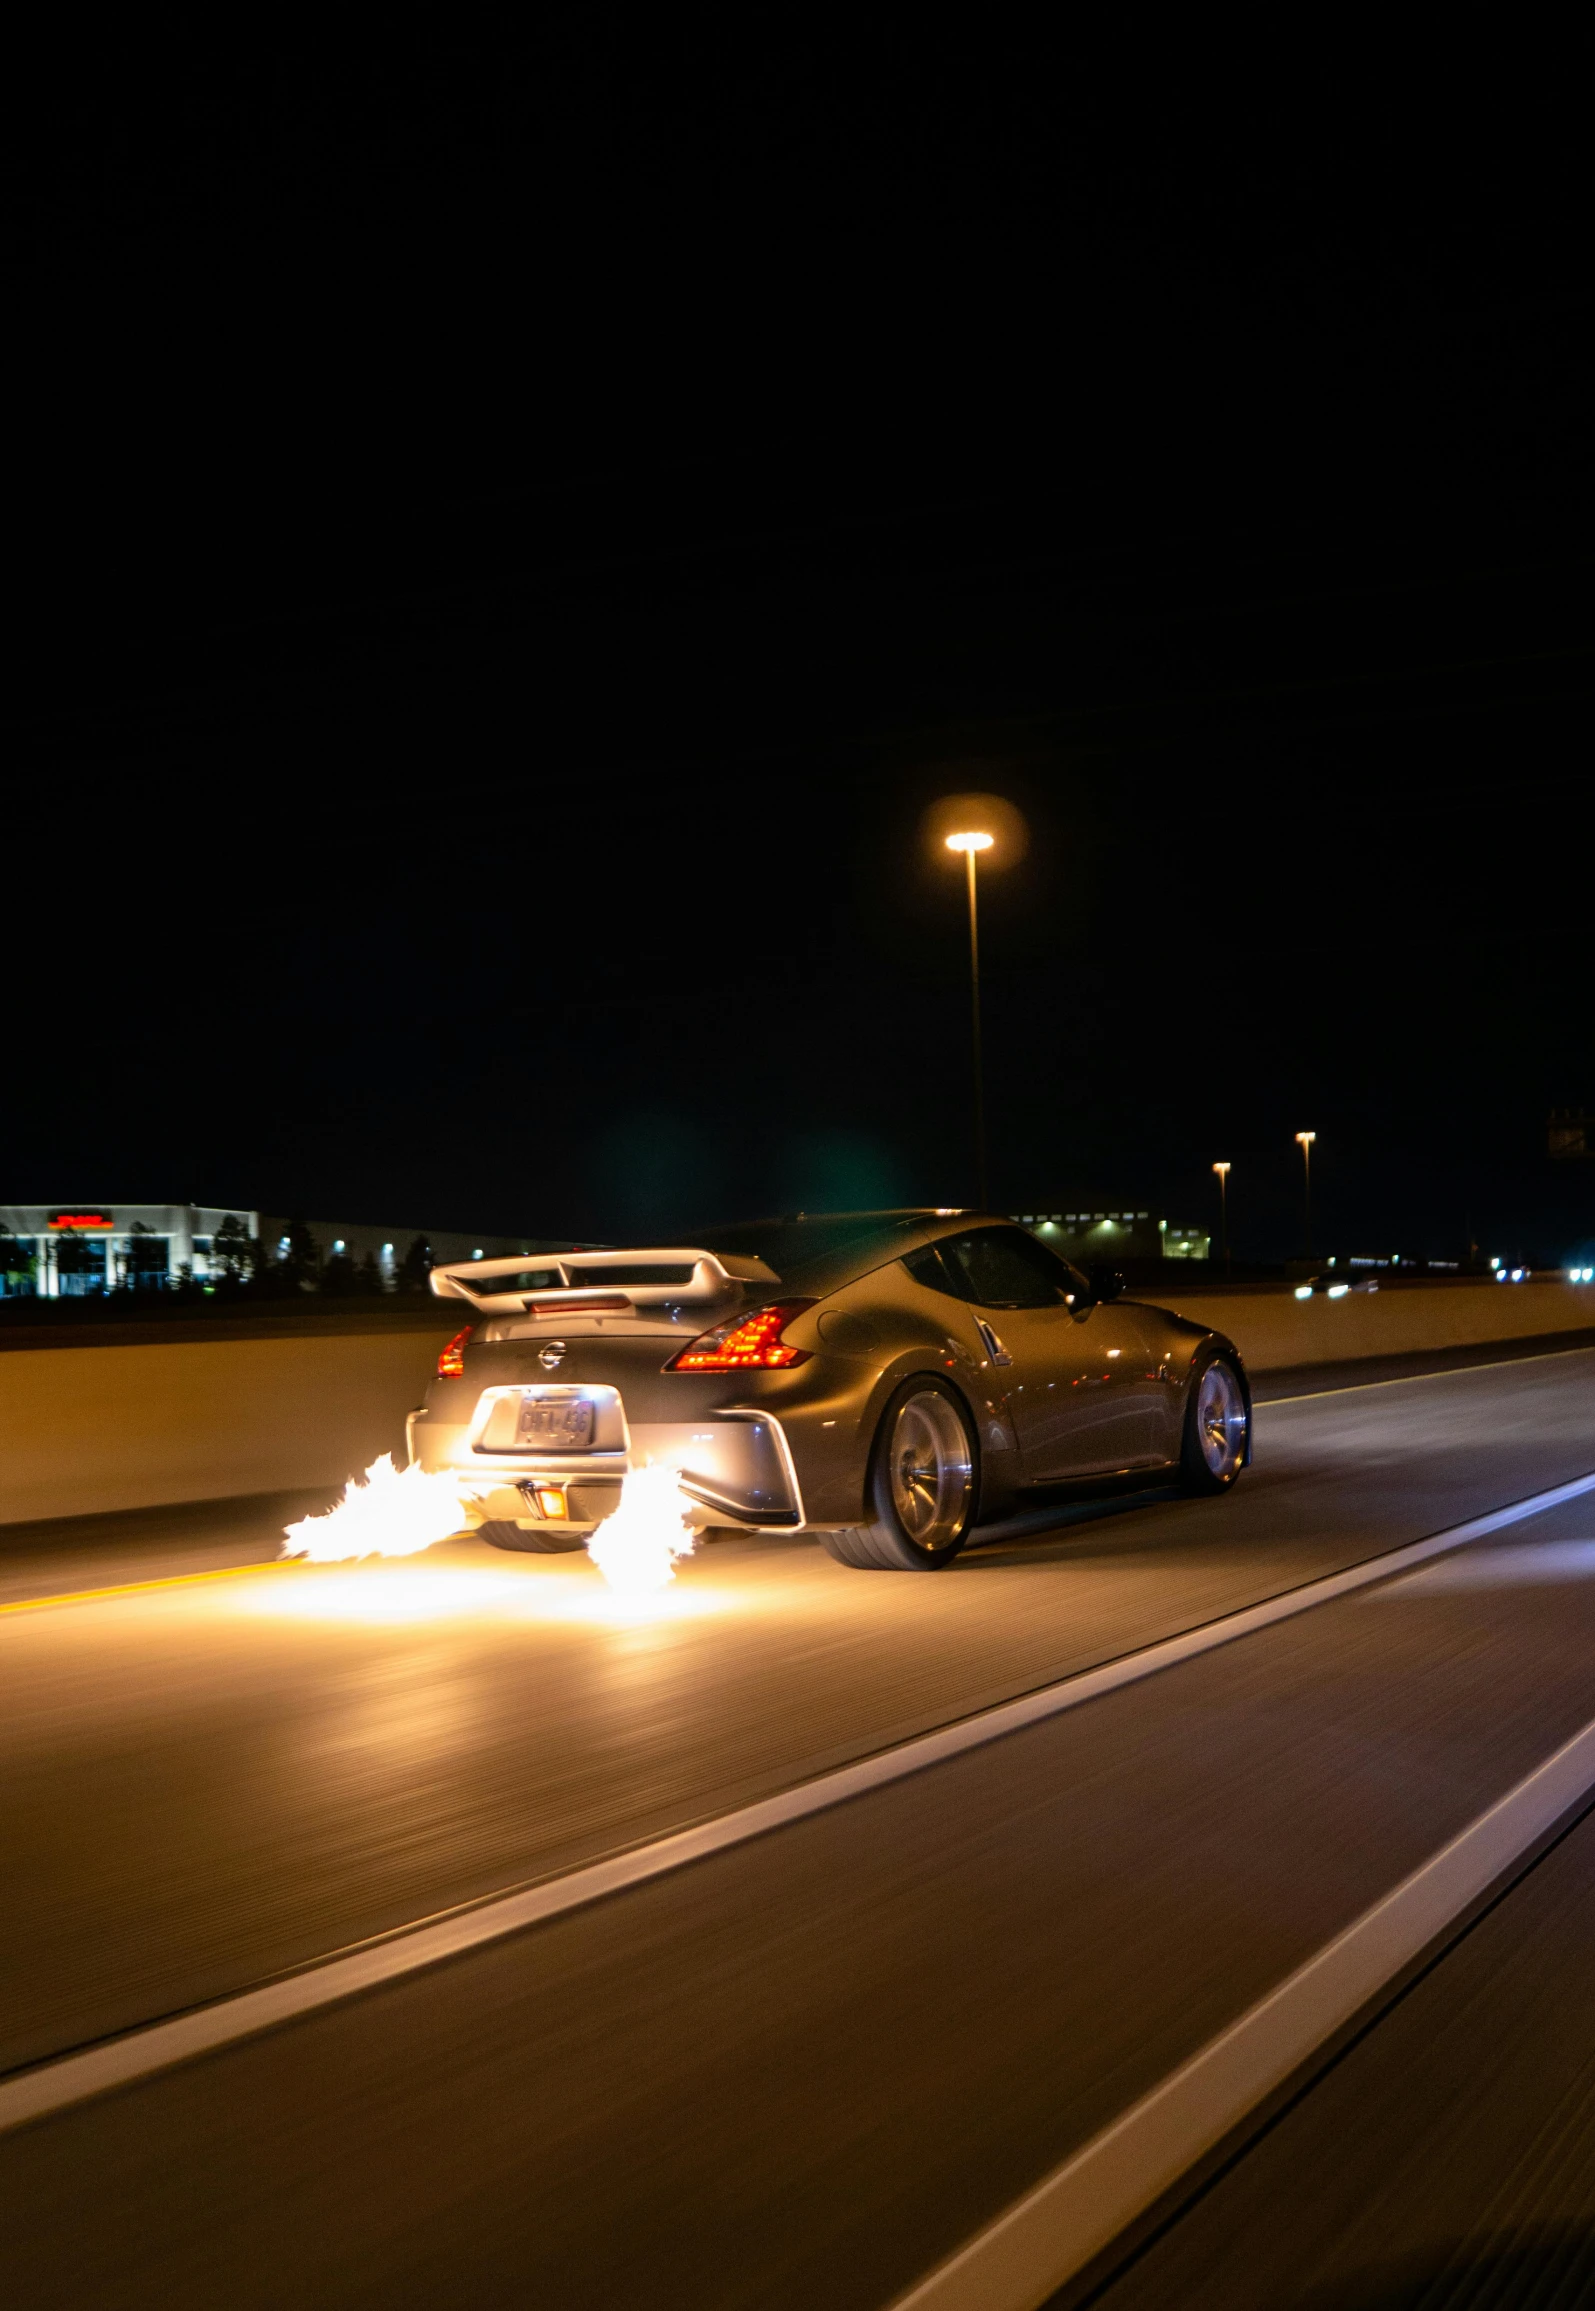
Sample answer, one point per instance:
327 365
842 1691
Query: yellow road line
138 1588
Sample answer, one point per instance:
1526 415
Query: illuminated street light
971 843
1223 1211
1304 1140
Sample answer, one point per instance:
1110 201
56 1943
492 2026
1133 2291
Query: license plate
564 1424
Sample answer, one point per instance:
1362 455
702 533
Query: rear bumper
735 1468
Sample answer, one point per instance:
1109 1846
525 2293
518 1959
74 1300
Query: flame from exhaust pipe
391 1512
636 1548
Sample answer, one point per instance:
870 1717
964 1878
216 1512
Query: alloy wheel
1221 1420
930 1468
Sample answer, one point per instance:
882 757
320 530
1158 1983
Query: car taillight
745 1343
451 1364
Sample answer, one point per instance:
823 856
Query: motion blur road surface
806 2069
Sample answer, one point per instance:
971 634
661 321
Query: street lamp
1304 1140
1223 1211
972 843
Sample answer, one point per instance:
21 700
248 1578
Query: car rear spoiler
713 1275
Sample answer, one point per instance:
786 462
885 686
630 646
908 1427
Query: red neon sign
81 1220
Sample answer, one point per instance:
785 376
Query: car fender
834 1468
1207 1345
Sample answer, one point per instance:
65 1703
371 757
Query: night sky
505 548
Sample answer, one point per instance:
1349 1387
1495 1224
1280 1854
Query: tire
1217 1432
534 1540
921 1488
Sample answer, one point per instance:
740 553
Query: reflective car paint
1086 1387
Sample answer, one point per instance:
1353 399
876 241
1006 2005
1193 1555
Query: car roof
819 1252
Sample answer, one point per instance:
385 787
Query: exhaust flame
391 1513
636 1549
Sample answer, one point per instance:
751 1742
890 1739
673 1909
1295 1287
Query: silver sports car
886 1380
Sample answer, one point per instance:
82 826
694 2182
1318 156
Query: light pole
971 844
1223 1213
1304 1140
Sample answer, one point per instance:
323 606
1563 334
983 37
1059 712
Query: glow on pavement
425 1592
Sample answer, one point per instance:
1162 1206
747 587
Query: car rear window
791 1246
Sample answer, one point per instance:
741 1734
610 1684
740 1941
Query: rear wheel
1217 1427
921 1488
536 1540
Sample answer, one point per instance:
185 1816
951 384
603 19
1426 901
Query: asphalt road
807 2069
1448 2157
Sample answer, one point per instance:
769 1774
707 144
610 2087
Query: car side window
925 1267
996 1268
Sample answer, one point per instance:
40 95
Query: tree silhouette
416 1266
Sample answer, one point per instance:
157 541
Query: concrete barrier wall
1274 1329
139 1425
85 1429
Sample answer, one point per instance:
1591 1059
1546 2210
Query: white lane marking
1409 1379
1528 1564
72 2078
1083 2205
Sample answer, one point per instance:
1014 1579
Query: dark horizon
484 785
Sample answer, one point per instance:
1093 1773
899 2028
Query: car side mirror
1106 1284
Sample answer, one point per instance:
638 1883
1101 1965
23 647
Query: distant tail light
745 1343
451 1364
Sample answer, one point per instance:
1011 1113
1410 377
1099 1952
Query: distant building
72 1251
354 1239
1101 1234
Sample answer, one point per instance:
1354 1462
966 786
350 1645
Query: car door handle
994 1347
